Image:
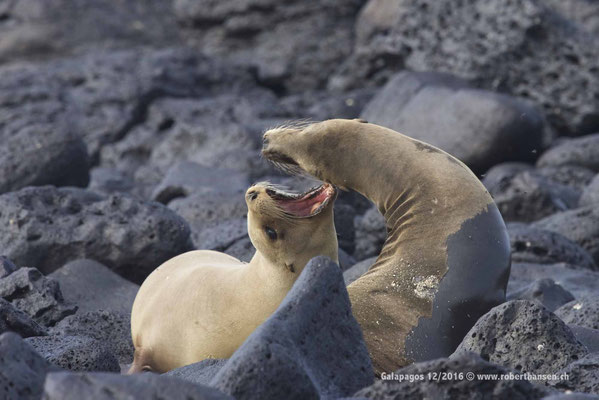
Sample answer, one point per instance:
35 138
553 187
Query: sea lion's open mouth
303 205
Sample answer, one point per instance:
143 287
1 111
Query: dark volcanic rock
582 152
36 295
103 386
272 37
54 155
570 175
436 387
48 227
75 25
539 246
109 327
587 336
102 95
533 52
22 369
344 226
501 174
545 291
528 196
310 347
370 234
109 180
201 372
512 128
220 132
580 225
14 320
583 375
92 286
523 335
583 311
242 249
357 270
576 280
220 236
583 12
590 195
75 353
7 267
186 178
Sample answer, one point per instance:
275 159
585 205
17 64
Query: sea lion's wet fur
204 304
426 197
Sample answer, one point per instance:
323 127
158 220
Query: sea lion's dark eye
272 234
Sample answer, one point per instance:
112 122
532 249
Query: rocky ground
129 131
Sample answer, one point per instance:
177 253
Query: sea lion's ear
360 120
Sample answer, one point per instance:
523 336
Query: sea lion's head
312 148
289 228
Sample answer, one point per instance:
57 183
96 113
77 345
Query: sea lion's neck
268 274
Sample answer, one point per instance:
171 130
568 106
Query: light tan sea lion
446 259
204 304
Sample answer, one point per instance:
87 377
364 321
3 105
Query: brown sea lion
446 259
204 304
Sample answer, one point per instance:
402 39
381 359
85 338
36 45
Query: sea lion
446 259
204 304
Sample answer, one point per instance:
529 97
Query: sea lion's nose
264 142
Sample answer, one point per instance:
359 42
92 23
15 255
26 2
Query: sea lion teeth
210 303
446 259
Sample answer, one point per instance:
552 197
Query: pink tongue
303 207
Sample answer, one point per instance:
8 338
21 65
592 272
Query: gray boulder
14 320
523 335
55 155
357 270
273 38
220 236
582 12
186 178
102 95
77 25
582 152
108 327
38 296
550 294
104 386
583 311
371 233
49 227
534 245
7 267
499 176
242 249
583 376
590 194
109 180
575 176
310 347
576 280
528 196
92 286
418 384
512 128
445 36
22 369
75 353
580 225
201 372
587 336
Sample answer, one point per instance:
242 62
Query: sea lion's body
204 304
446 259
